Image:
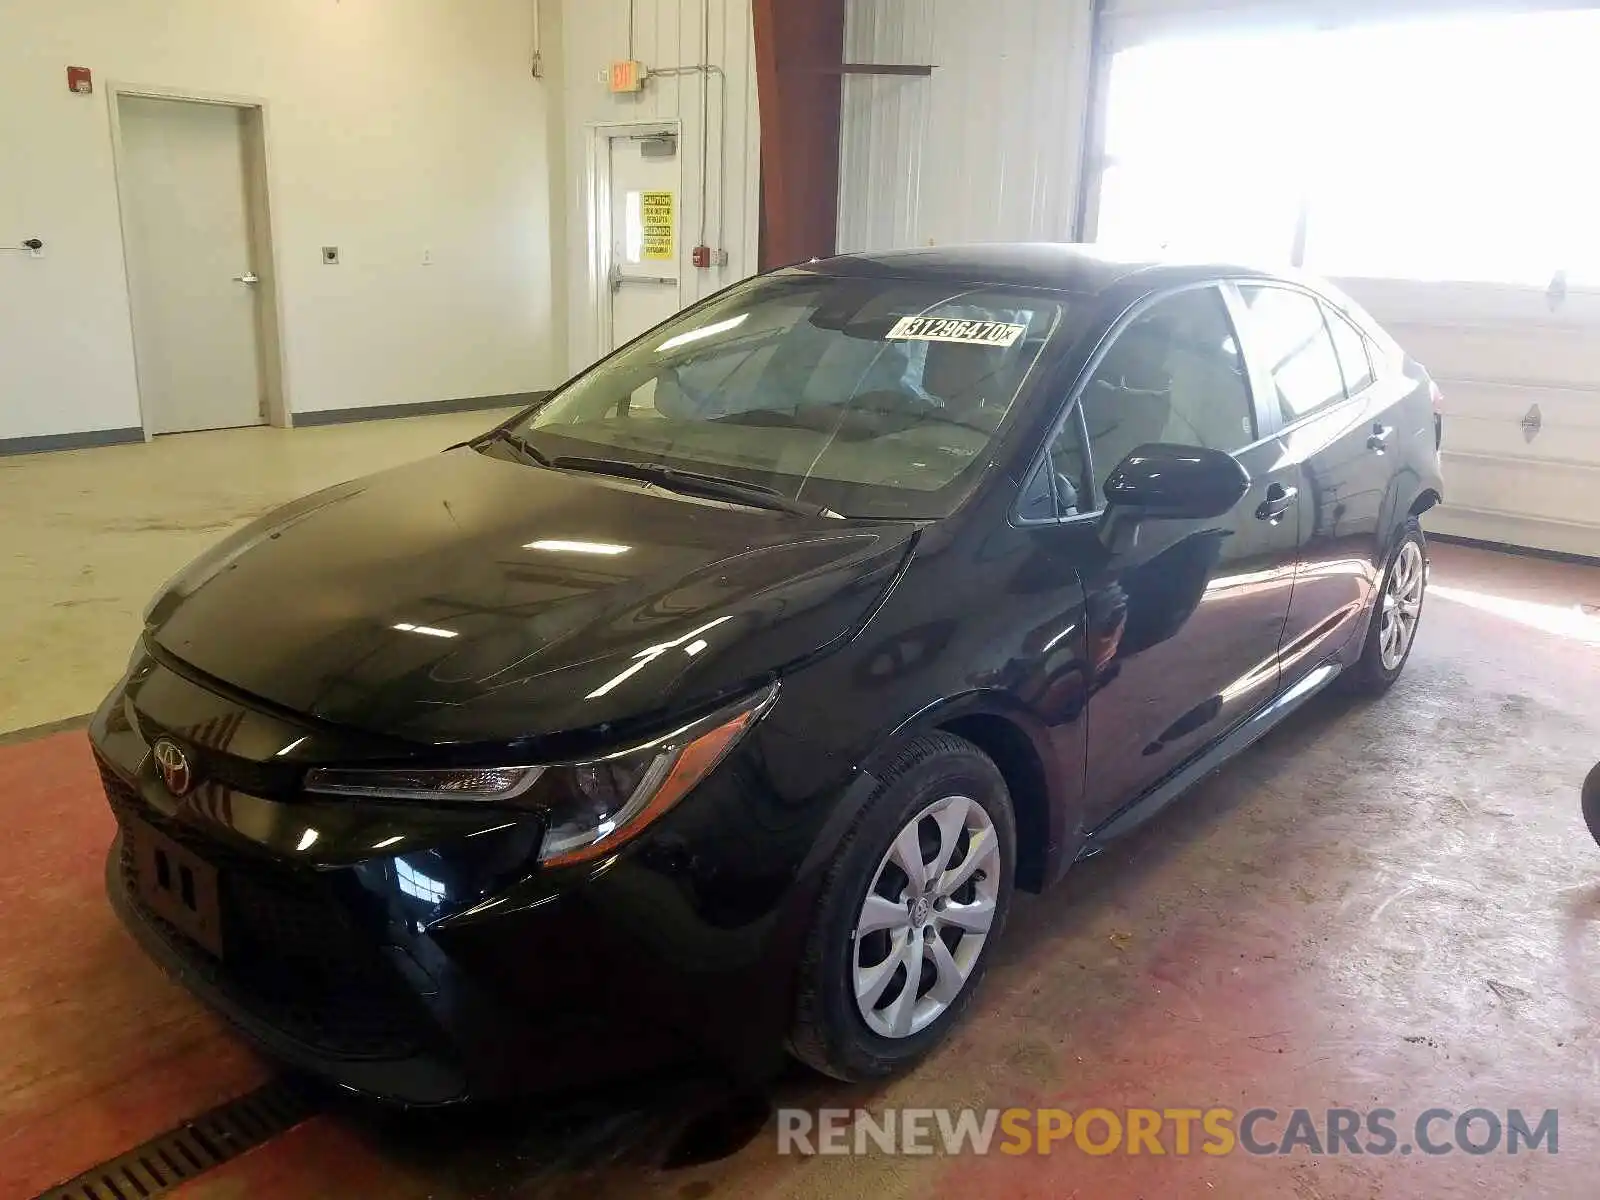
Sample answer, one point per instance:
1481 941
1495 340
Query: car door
1183 625
1330 418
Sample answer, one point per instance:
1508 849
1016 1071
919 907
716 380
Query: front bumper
401 1072
449 968
375 1007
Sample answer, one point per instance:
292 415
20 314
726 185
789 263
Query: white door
191 281
645 214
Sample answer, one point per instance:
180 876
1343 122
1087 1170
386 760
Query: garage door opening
1439 170
1428 150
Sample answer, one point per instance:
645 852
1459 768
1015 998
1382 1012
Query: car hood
466 598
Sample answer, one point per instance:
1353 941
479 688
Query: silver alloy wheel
926 917
1402 605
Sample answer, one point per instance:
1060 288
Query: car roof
1058 266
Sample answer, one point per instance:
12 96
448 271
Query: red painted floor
97 1050
1390 904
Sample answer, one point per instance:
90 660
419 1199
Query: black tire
829 1032
1368 676
1591 802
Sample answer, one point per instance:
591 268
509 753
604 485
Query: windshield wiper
717 487
523 446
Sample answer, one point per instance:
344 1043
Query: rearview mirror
1161 481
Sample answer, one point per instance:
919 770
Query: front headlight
591 808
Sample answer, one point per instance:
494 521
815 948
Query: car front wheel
917 895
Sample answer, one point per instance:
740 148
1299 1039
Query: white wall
395 125
988 147
667 33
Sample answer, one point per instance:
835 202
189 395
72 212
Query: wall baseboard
1561 556
328 416
32 733
70 441
381 412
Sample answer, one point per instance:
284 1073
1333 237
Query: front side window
1288 328
1174 375
1058 486
873 397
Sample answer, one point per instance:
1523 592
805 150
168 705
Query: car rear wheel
917 895
1395 616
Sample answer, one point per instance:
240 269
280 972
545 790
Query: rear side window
1351 348
1289 330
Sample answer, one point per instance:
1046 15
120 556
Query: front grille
292 957
206 746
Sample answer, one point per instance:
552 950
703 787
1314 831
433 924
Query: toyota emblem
174 767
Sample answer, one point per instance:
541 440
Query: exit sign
627 76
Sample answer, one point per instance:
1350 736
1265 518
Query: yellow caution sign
658 224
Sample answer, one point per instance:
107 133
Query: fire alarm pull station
701 256
80 80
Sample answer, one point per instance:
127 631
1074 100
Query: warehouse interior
250 251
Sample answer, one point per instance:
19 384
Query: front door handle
1279 500
1379 441
247 277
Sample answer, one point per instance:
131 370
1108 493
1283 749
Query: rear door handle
1279 500
1379 441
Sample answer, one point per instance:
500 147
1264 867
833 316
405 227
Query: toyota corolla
715 706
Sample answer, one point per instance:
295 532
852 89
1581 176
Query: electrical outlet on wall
427 257
330 255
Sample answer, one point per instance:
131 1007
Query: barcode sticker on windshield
948 329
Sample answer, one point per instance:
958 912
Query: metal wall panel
987 148
666 34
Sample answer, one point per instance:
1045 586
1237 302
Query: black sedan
716 705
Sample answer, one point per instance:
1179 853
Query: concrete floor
1383 904
88 535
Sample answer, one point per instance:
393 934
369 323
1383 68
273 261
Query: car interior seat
1128 402
973 382
1209 393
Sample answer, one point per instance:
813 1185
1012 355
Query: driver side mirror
1160 481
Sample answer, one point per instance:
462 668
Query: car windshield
867 397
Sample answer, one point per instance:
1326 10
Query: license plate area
178 886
